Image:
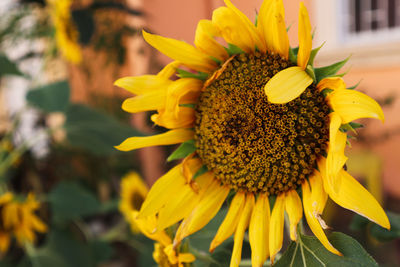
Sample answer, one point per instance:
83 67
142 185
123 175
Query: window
377 19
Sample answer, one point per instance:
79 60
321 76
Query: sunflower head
66 33
133 193
18 219
257 121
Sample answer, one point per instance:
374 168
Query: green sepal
184 150
314 52
233 50
354 86
188 105
216 60
326 92
293 54
351 126
330 70
256 19
186 74
201 171
310 72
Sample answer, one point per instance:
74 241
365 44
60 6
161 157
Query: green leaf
358 223
69 201
314 52
383 234
329 71
233 50
94 131
309 252
185 149
8 67
101 251
63 249
186 74
354 86
293 54
50 98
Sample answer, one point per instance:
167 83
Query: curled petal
168 185
234 31
312 220
352 105
294 210
333 83
206 209
183 119
353 196
204 40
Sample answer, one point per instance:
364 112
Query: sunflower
261 120
19 220
66 33
133 193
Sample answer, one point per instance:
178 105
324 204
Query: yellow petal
271 27
353 196
169 70
178 89
305 38
142 84
165 187
228 226
241 228
336 157
186 257
210 203
184 119
313 222
294 210
150 101
318 194
183 203
181 51
352 105
235 31
147 226
287 85
4 241
333 83
280 39
168 138
276 226
264 24
259 231
204 40
190 166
